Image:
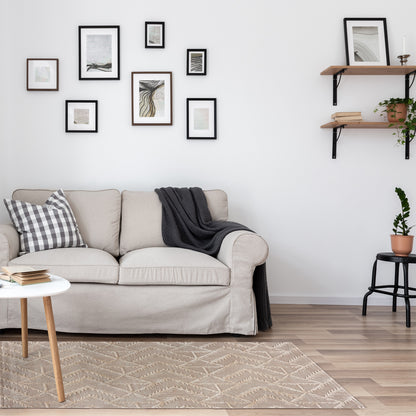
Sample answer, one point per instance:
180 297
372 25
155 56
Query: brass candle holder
403 59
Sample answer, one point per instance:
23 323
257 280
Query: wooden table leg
23 316
47 303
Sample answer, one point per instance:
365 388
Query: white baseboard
374 299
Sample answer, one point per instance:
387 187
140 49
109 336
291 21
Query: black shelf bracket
408 84
335 84
335 137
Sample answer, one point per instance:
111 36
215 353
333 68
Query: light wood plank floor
373 357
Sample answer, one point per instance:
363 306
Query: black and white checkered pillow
43 227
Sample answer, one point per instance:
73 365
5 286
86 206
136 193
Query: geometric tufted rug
229 375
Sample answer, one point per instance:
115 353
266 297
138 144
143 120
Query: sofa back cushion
141 222
97 214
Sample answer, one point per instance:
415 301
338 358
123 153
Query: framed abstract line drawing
366 41
99 52
81 116
196 62
151 98
42 74
201 118
154 34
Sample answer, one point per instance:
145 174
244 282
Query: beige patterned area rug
231 375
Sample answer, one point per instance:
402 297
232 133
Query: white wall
324 219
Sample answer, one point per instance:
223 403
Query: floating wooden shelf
370 70
359 125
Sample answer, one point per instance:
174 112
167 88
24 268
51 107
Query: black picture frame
70 121
360 51
99 69
196 58
48 83
148 42
210 132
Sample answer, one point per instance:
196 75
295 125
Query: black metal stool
391 257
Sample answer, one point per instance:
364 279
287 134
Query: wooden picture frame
42 74
201 118
154 35
151 98
366 41
81 116
98 53
196 62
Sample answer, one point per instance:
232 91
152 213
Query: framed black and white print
196 62
151 98
154 34
42 74
99 52
201 118
81 116
366 41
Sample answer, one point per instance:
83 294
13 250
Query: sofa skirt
116 309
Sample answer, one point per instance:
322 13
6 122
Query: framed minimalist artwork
81 116
151 98
42 74
99 52
366 41
154 34
196 62
201 118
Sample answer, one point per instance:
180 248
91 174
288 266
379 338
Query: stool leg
396 285
406 293
373 284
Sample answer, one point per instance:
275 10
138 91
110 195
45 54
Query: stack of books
25 275
347 116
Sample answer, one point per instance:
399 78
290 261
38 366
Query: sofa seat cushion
81 265
172 266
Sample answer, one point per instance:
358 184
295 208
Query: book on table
25 275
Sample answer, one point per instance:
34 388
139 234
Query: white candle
404 45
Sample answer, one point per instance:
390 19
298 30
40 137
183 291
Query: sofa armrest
242 251
9 243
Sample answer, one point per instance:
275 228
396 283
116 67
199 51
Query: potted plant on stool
401 241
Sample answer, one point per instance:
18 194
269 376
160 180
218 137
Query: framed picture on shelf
366 41
99 52
201 118
154 34
42 74
151 98
196 62
81 116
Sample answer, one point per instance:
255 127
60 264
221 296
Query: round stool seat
411 258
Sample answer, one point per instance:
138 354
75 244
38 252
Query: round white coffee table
45 290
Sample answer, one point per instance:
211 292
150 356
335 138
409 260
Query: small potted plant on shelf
401 112
401 241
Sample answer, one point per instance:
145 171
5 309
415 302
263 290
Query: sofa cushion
97 214
141 222
75 264
47 226
172 266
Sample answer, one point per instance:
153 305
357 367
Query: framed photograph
42 74
196 62
99 52
154 34
201 118
151 98
366 41
81 116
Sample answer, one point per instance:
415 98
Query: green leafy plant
400 222
405 126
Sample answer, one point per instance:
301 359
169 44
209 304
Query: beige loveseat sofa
128 281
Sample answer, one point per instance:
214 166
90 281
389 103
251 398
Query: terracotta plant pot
401 245
396 112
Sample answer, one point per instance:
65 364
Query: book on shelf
25 275
348 119
346 114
